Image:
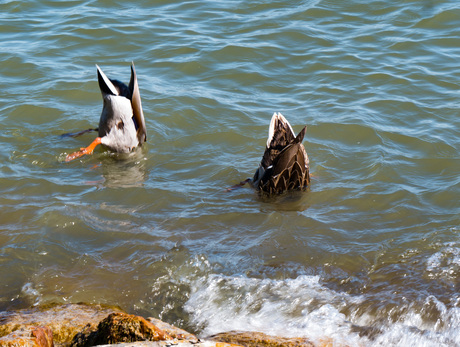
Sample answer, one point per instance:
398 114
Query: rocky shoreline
81 325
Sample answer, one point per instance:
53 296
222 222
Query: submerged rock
255 339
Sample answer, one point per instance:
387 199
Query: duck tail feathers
300 135
105 84
279 126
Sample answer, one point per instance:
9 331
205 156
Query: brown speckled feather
285 164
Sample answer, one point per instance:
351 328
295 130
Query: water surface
368 255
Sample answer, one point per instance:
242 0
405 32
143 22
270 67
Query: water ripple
372 243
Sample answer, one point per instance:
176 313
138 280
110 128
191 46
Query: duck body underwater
121 125
285 163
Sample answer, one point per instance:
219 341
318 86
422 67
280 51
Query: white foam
291 307
445 263
30 292
302 307
412 330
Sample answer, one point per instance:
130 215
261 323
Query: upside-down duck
122 125
285 164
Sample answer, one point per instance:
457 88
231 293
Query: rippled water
369 255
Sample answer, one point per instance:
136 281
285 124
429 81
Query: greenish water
369 255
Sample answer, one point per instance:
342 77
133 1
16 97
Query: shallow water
368 255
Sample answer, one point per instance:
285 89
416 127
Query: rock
64 320
120 327
29 336
172 344
43 336
79 325
174 332
255 339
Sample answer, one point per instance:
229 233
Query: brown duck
285 164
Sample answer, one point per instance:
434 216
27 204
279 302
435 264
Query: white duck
122 124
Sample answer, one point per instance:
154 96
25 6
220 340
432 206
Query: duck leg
78 133
239 185
83 151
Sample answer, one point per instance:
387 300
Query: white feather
107 81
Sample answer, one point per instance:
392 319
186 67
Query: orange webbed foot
83 151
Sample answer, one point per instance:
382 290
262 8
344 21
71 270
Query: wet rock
80 325
64 320
29 336
120 327
255 339
173 331
172 344
43 336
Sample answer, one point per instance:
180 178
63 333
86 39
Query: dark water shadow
293 200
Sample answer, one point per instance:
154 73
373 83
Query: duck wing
138 114
289 169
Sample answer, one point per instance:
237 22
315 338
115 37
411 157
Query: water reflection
124 170
296 200
120 170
